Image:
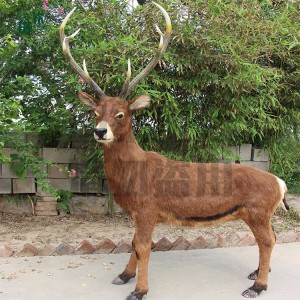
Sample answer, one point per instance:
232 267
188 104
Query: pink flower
45 7
80 80
60 11
73 172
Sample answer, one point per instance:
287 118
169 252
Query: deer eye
119 115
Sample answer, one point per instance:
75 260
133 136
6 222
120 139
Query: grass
287 220
295 189
293 215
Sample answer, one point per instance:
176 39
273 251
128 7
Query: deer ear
139 102
87 100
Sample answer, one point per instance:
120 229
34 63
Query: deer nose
100 132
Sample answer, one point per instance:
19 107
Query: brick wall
63 160
247 155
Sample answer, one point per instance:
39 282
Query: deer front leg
130 269
144 226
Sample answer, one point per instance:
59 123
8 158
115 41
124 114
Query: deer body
153 189
187 194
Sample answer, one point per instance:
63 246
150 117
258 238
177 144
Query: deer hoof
135 296
253 275
250 293
122 279
254 290
118 281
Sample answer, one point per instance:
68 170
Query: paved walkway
211 274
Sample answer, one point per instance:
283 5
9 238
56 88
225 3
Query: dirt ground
16 230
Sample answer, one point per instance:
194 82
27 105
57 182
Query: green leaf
19 168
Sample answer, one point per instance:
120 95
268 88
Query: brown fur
153 189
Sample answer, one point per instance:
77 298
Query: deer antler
66 49
164 40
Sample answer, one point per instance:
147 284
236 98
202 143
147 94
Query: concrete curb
237 239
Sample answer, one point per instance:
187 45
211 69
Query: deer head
114 114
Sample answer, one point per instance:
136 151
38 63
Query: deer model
153 189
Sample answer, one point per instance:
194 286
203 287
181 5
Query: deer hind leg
254 274
130 269
144 226
265 239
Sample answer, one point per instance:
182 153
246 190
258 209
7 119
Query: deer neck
121 158
124 149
